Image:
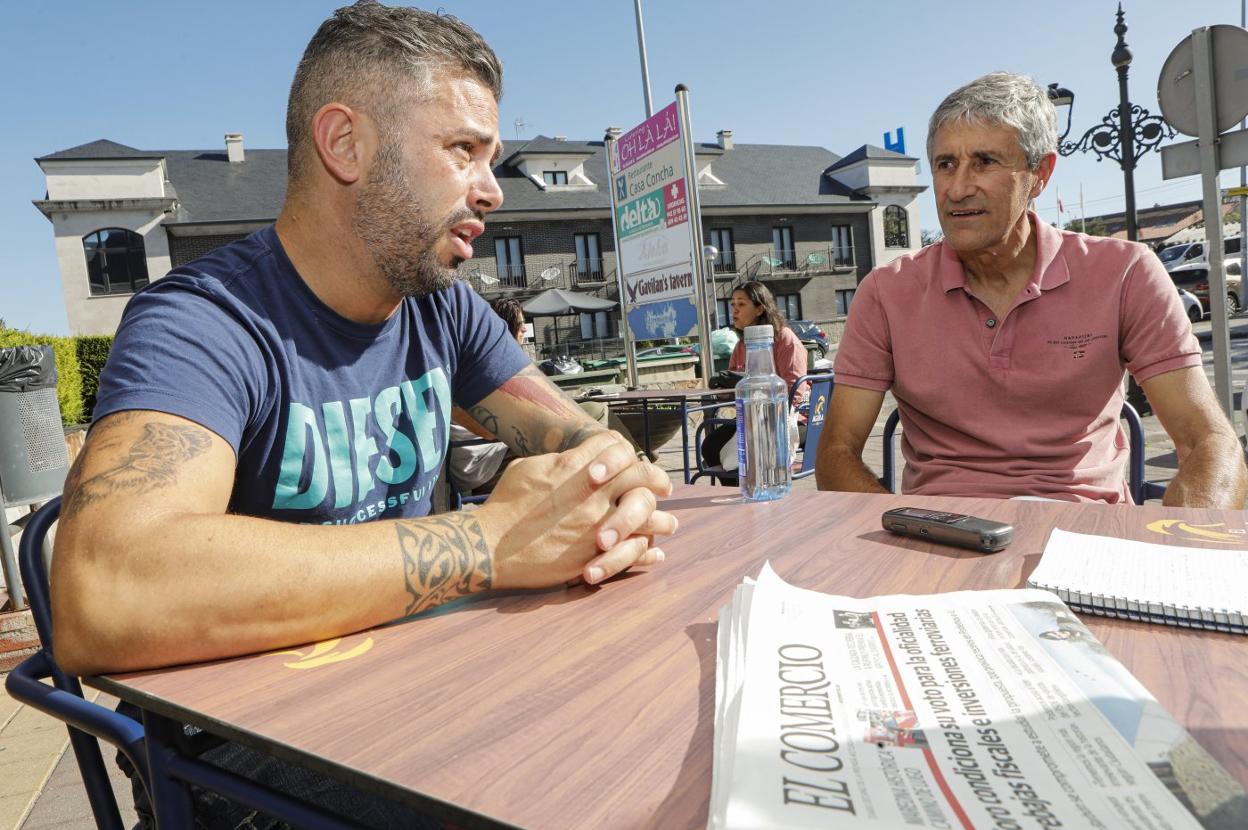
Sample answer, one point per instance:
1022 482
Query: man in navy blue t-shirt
273 416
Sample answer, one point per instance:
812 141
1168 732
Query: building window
896 228
790 306
843 299
116 262
724 307
555 177
588 257
842 246
782 248
726 259
509 255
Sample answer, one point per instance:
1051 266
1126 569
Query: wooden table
594 707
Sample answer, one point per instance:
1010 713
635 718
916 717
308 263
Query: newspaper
978 709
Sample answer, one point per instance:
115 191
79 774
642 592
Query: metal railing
587 270
726 262
810 263
512 275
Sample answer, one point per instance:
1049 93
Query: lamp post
1124 134
709 253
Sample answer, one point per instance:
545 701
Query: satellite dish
551 273
1176 88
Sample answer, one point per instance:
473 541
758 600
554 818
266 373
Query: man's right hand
587 512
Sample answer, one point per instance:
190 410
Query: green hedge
78 364
92 353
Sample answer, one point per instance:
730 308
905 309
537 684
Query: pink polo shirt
1027 404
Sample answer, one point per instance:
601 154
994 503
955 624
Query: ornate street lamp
1124 134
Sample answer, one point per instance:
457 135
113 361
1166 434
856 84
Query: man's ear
1043 172
340 137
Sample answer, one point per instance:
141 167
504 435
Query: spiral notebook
1167 584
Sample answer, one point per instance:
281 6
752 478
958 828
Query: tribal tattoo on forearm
444 558
153 461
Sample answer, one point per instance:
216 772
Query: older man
1005 343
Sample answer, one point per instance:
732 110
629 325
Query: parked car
1194 277
808 332
1191 305
1194 253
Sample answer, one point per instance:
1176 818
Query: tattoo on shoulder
444 558
152 461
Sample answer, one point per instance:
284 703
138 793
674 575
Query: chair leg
171 799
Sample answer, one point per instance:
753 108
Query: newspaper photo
976 709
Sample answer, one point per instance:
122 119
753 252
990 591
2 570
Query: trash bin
33 460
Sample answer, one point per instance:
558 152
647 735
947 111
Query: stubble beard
393 223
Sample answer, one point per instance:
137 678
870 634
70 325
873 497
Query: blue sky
173 75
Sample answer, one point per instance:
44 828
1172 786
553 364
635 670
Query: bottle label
741 459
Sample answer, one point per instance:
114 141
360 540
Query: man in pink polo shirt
1005 343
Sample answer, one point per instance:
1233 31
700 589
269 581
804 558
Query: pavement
41 789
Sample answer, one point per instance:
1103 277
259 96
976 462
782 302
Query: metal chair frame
1141 490
148 746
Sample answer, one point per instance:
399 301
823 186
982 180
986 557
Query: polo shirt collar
1050 271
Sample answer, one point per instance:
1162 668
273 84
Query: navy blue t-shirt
332 422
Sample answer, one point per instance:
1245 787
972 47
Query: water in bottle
762 422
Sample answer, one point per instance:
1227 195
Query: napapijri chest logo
1077 345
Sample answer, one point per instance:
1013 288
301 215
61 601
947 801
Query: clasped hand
588 512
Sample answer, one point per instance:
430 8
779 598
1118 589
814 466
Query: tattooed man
273 415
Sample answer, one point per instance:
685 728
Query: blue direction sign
662 320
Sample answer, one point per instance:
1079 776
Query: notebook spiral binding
1125 608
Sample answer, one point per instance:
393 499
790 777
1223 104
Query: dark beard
391 221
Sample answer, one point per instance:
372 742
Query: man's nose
961 183
486 195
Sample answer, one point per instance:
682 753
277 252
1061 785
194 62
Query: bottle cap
755 333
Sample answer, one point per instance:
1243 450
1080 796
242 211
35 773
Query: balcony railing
726 262
810 263
587 270
512 275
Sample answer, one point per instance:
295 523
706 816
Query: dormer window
116 261
555 177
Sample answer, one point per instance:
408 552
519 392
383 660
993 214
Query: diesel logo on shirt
1077 344
318 450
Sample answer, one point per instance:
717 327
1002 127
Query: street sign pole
1206 108
630 351
695 230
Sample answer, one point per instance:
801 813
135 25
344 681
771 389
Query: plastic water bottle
762 422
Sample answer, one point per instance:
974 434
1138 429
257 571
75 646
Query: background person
753 305
1005 343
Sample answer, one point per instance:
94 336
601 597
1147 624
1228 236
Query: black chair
162 772
1140 489
64 700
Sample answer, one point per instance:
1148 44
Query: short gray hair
357 57
1004 99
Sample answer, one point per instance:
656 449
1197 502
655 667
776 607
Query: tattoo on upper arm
444 557
152 461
